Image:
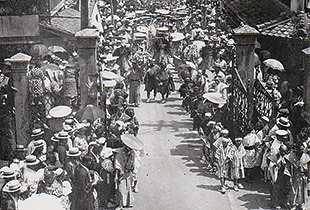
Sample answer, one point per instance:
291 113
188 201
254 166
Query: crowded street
172 175
152 104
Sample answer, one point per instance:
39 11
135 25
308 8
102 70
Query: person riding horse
151 81
165 84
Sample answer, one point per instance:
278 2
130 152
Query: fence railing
265 105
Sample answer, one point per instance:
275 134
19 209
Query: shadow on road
255 201
209 187
177 113
191 153
174 125
257 195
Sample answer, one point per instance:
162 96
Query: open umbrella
132 142
162 11
90 112
41 201
57 49
274 64
199 44
39 50
214 98
60 111
177 36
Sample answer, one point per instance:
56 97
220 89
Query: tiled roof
69 25
284 29
254 12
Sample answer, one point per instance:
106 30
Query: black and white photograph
154 104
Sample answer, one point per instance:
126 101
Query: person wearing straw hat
20 152
134 79
32 174
38 148
106 189
222 147
73 159
11 190
124 168
151 81
7 174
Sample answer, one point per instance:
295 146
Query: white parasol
162 11
214 98
60 111
41 201
199 44
177 36
274 64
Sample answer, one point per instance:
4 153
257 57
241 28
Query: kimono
222 158
280 180
134 80
82 189
124 165
237 156
106 188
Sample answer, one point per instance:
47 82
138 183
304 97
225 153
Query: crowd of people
92 163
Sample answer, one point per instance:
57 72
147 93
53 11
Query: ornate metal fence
264 103
238 104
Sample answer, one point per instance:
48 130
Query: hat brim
132 142
283 125
9 176
54 139
32 163
7 189
38 134
73 155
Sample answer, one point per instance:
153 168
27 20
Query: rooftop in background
254 12
69 25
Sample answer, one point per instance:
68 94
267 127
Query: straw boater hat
73 152
7 173
106 152
110 57
208 114
211 122
62 135
284 122
37 132
68 128
101 140
38 143
281 133
31 160
266 119
20 148
238 139
132 142
12 186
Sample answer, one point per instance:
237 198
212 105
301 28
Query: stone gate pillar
245 38
87 40
306 53
19 66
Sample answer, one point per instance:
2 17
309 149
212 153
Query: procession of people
88 158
